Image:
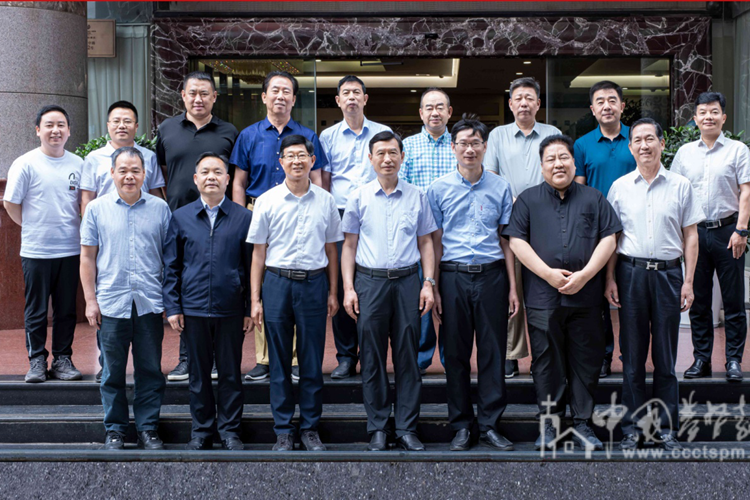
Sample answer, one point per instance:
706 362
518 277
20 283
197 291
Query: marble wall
684 38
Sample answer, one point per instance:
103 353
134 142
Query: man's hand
93 314
256 312
333 305
738 245
576 281
557 278
437 308
177 322
611 293
247 325
514 303
426 298
686 296
351 304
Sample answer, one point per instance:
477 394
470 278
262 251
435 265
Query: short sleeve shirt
564 233
47 189
97 178
603 161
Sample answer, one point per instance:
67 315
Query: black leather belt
457 267
295 274
714 224
391 274
651 265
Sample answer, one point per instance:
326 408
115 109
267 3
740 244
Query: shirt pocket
489 216
585 226
408 223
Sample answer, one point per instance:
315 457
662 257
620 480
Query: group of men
477 232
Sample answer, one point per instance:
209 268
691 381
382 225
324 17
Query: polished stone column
43 61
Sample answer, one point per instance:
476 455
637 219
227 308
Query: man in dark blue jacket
206 283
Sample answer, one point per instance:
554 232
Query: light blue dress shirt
348 157
471 216
426 159
388 225
129 261
212 212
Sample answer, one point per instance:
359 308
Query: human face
297 162
279 97
199 98
435 112
607 107
645 145
128 175
122 125
53 130
558 166
386 158
469 149
351 99
524 103
710 118
211 177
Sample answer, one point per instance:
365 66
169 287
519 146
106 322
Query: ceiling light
519 73
311 91
318 60
527 62
413 90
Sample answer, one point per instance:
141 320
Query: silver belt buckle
298 275
474 268
388 274
713 224
652 266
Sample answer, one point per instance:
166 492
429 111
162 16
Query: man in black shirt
180 141
563 233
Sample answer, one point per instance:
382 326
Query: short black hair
604 85
526 82
709 97
211 154
199 75
283 74
470 121
123 105
434 89
49 109
350 78
385 136
129 151
294 140
555 139
646 121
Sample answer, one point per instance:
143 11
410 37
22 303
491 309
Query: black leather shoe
606 370
149 440
462 441
734 371
410 442
496 440
699 369
631 442
669 442
232 443
114 441
199 443
284 442
345 370
311 441
377 442
511 368
546 438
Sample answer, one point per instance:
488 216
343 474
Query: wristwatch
432 280
741 232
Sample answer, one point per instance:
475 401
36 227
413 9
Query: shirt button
563 230
565 246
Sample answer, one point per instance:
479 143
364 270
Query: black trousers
567 347
713 255
475 303
57 278
221 339
650 313
609 333
344 327
389 309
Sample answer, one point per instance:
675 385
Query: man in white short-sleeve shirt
42 196
96 180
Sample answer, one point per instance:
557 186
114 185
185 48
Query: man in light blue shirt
387 227
427 157
122 235
345 144
513 152
477 284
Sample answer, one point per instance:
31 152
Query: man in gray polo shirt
513 152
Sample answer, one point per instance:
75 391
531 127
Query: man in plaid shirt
427 157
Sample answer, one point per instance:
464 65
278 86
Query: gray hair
130 151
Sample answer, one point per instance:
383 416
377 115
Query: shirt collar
119 200
568 192
365 126
661 173
377 188
722 139
461 180
446 137
220 205
623 132
214 120
289 193
267 125
516 129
